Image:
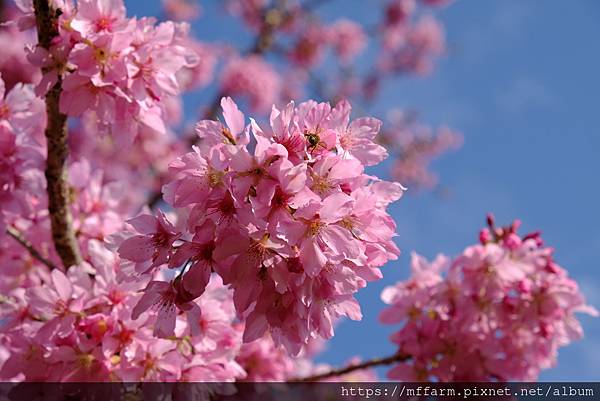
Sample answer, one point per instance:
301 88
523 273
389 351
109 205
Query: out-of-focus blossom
414 146
310 46
202 73
347 38
497 312
14 66
21 121
254 79
412 48
251 11
182 10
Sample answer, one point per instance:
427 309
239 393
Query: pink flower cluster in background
497 312
120 69
414 146
21 153
123 76
76 328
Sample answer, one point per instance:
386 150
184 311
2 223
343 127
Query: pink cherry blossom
153 244
415 145
398 12
21 179
284 230
99 16
347 38
499 311
262 361
202 73
358 138
253 79
310 46
14 66
182 10
58 305
167 297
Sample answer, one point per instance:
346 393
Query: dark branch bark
354 367
56 136
14 233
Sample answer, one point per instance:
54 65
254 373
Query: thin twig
2 6
13 232
56 135
354 367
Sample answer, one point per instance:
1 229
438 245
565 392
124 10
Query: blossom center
320 185
228 135
85 360
104 24
346 141
4 111
214 177
315 227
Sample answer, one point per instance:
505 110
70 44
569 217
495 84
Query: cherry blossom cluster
252 78
21 152
410 45
497 312
414 146
286 216
97 183
263 361
182 10
407 39
14 66
78 327
137 166
143 162
122 70
301 48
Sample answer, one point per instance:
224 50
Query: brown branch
14 233
354 367
56 135
2 7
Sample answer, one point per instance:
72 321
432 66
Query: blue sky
521 82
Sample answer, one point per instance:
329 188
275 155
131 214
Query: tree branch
354 367
13 232
56 136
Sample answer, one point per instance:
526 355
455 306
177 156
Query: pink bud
512 241
485 236
490 220
525 285
533 235
552 267
546 330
